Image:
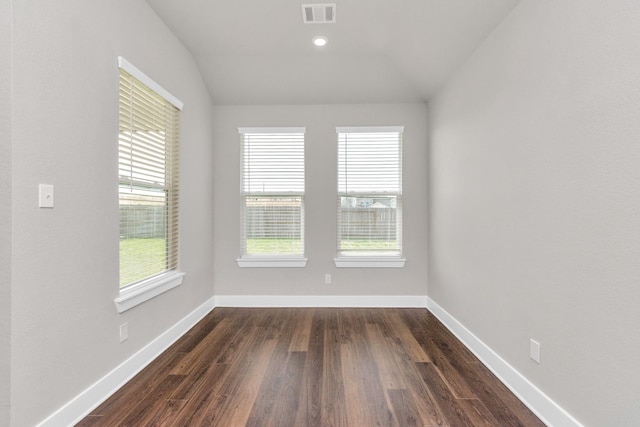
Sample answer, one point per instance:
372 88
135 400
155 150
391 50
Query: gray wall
320 202
535 201
65 260
5 209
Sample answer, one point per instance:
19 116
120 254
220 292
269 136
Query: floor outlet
124 332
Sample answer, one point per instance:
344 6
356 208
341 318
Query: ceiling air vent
319 13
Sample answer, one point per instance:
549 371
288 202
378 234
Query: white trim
151 84
242 130
369 262
346 301
368 129
540 404
82 405
264 262
137 294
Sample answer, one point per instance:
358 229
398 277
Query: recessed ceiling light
319 41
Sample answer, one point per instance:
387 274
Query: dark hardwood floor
315 367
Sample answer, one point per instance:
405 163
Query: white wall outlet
534 350
45 196
124 332
327 279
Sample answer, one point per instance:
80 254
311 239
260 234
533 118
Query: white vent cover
319 13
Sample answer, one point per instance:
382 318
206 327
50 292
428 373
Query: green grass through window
293 246
368 245
141 258
274 247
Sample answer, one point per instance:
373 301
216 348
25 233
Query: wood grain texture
314 367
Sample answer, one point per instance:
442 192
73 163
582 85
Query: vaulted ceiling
378 51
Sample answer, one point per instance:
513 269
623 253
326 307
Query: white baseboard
377 301
88 400
540 404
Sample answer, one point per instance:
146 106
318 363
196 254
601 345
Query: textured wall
320 202
65 269
535 200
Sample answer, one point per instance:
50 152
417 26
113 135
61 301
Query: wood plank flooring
315 367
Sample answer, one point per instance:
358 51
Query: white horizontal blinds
369 191
273 191
369 162
148 150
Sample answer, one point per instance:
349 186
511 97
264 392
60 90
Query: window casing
369 203
272 197
148 174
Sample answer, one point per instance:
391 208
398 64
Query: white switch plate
45 196
327 279
534 350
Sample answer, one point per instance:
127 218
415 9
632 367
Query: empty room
353 213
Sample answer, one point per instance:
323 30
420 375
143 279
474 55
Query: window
369 197
272 186
148 157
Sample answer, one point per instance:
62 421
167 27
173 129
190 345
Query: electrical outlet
534 350
327 279
124 332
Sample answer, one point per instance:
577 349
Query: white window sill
369 262
147 289
266 262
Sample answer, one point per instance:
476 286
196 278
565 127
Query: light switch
45 199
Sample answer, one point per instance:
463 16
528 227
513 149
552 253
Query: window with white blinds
148 157
272 185
369 191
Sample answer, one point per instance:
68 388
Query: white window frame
375 259
271 260
139 292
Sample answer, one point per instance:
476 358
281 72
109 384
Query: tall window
369 191
148 178
272 185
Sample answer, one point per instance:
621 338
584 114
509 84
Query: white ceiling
379 51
